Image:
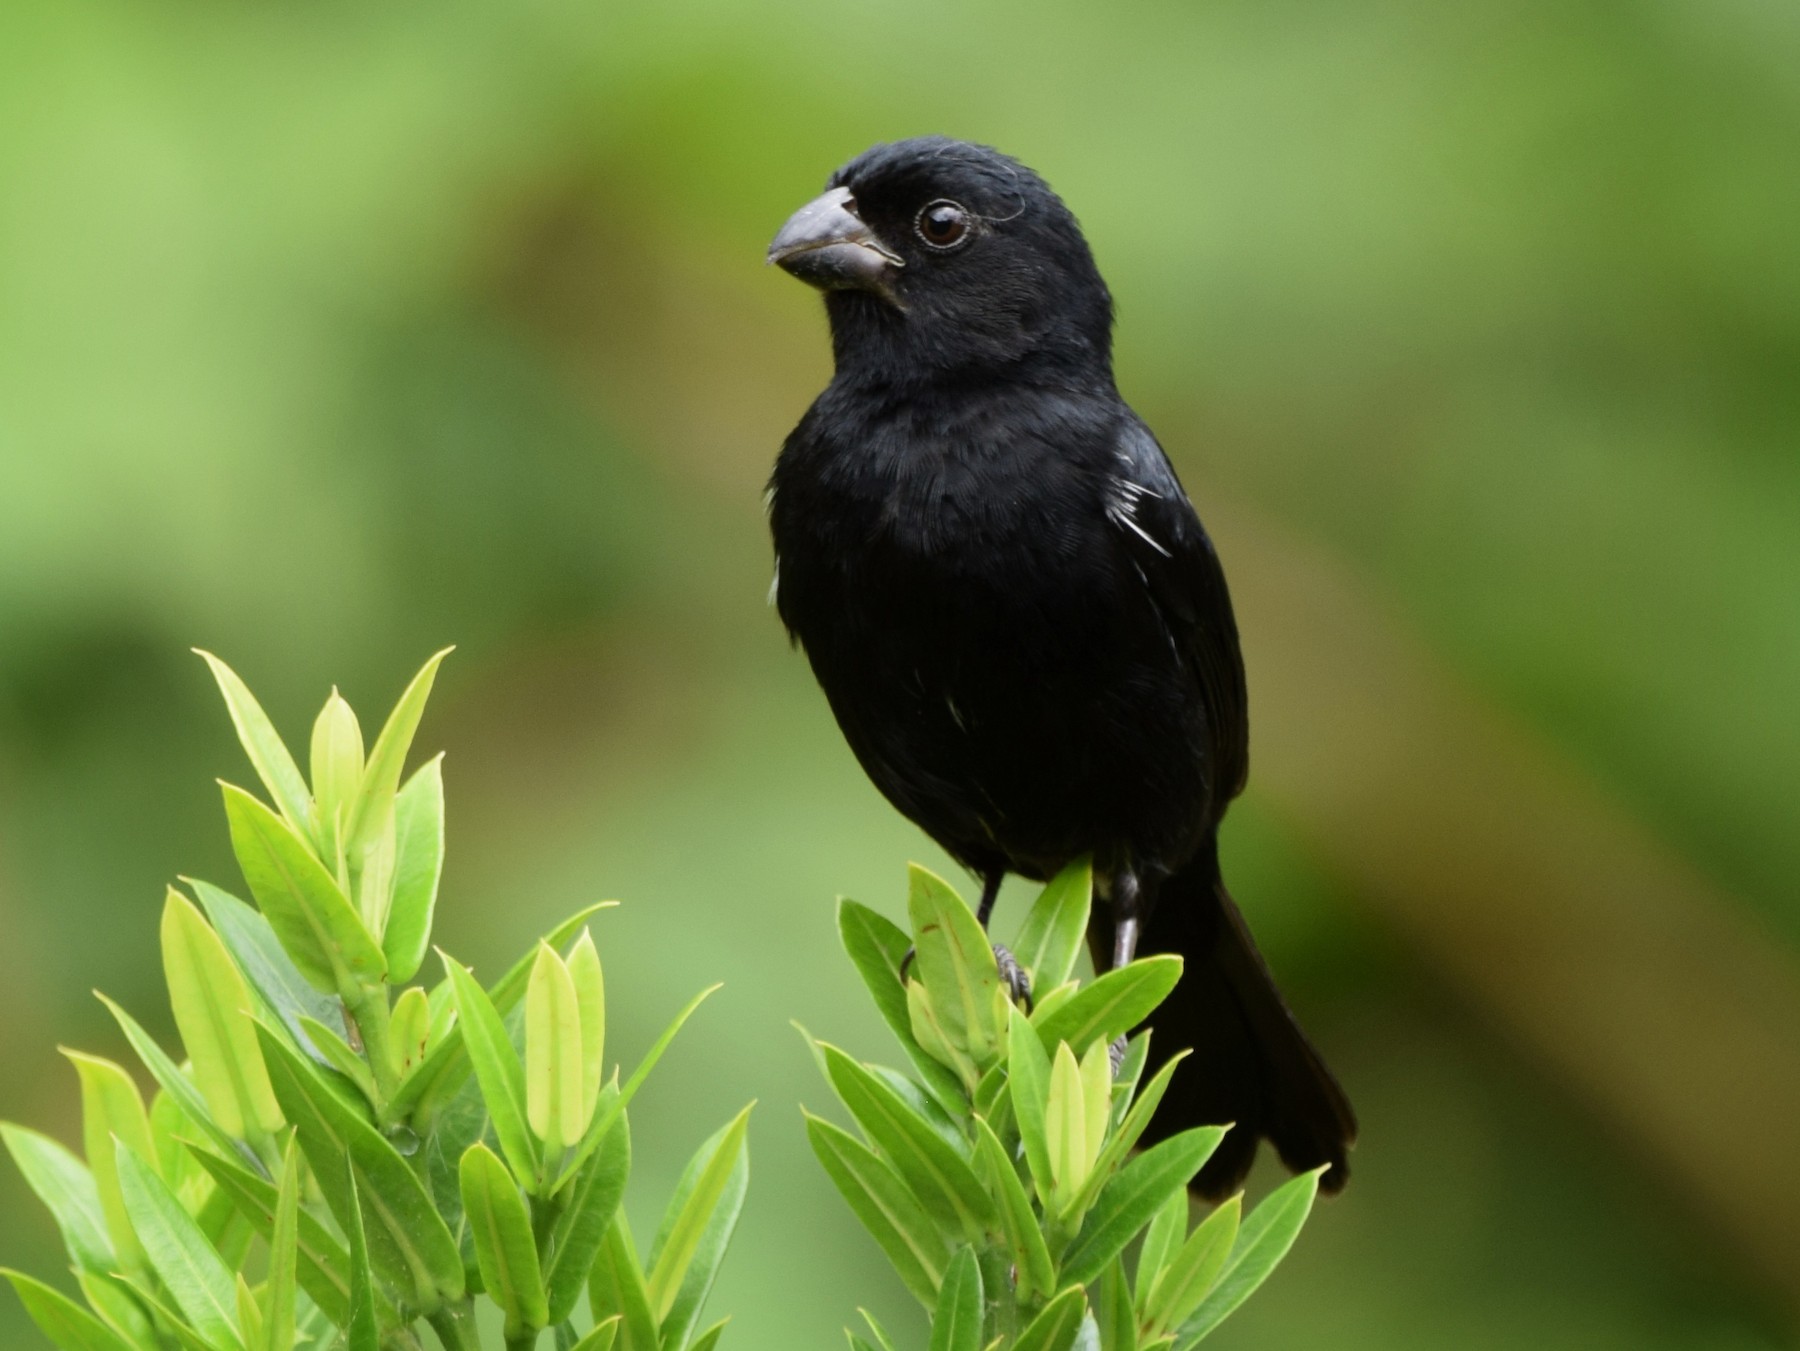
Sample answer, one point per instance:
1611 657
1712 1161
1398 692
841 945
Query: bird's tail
1251 1064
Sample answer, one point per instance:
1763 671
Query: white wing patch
1122 498
775 582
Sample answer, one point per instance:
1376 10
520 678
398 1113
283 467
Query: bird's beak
825 244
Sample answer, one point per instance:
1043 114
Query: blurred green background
333 333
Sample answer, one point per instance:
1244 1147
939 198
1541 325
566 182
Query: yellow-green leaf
418 867
373 810
497 1070
409 1028
702 1187
501 1228
590 997
956 964
59 1318
111 1108
190 1269
284 1258
553 1062
1065 1129
1188 1277
268 753
303 903
337 767
1096 1097
212 1009
1024 1235
1055 927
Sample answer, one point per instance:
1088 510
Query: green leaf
956 1321
929 1035
268 753
336 1053
913 1243
1190 1274
119 1309
1055 927
212 1010
249 1315
1136 1121
937 1174
1161 1241
203 1288
337 766
1133 1197
879 1333
603 1120
587 1208
360 1333
617 1287
418 867
553 1059
1112 1005
590 999
1024 1236
303 903
705 1204
408 1241
956 964
1261 1243
168 1320
1065 1131
876 948
409 1029
601 1338
503 1242
176 1084
279 1301
111 1108
282 991
1055 1326
62 1320
1028 1069
435 1084
497 1070
1112 1309
707 1340
322 1263
374 807
63 1183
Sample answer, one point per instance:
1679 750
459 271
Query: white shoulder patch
1122 498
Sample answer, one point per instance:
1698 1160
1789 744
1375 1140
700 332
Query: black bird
1015 612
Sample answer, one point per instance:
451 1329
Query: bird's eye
943 225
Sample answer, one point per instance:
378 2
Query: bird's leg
1125 899
1015 976
990 892
1125 916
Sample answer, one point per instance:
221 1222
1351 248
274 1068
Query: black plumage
1014 611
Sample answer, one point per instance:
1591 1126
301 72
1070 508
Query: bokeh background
332 333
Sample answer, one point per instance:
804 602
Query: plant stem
368 1006
455 1326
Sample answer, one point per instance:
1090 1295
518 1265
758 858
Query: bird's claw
1116 1053
1018 980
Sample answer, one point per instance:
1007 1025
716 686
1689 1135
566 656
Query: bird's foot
1116 1053
1018 980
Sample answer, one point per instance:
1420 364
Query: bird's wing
1162 535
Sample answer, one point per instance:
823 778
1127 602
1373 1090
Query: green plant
344 1154
999 1177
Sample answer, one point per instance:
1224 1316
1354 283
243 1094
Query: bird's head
939 256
